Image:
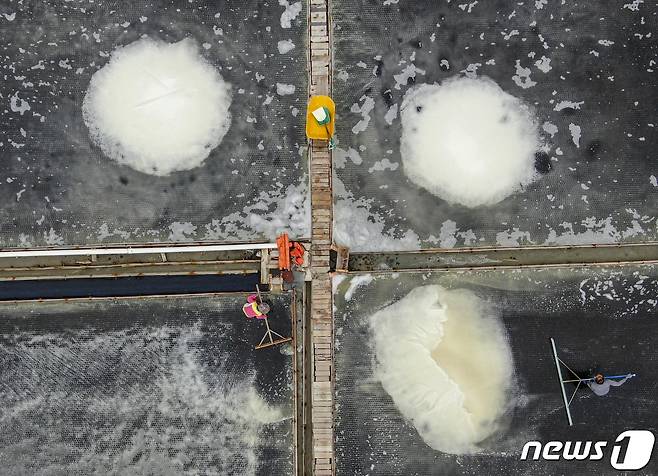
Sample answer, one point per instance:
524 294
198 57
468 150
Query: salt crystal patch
365 109
360 228
483 154
634 6
355 283
543 64
470 6
290 13
407 73
471 70
285 89
507 36
383 165
135 104
180 231
18 105
550 128
285 46
454 399
391 114
575 133
522 76
568 104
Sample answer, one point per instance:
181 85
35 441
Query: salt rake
269 336
269 333
579 380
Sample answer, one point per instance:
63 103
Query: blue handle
609 377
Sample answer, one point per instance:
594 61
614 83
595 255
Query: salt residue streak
468 141
355 283
444 359
157 107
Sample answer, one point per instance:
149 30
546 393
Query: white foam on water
467 141
444 358
157 107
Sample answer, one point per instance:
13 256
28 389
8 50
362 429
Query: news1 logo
631 450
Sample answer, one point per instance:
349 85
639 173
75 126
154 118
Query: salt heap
444 359
467 141
157 107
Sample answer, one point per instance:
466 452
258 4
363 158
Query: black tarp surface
586 64
601 317
58 188
153 386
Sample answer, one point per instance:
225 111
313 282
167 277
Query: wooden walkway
321 240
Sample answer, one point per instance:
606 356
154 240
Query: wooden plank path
322 421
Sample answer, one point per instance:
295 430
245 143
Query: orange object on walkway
287 250
283 244
297 253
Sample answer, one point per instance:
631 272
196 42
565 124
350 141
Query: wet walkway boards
321 243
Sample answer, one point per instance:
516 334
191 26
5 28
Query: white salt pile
467 141
157 107
444 359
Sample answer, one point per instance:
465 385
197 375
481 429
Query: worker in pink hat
254 309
